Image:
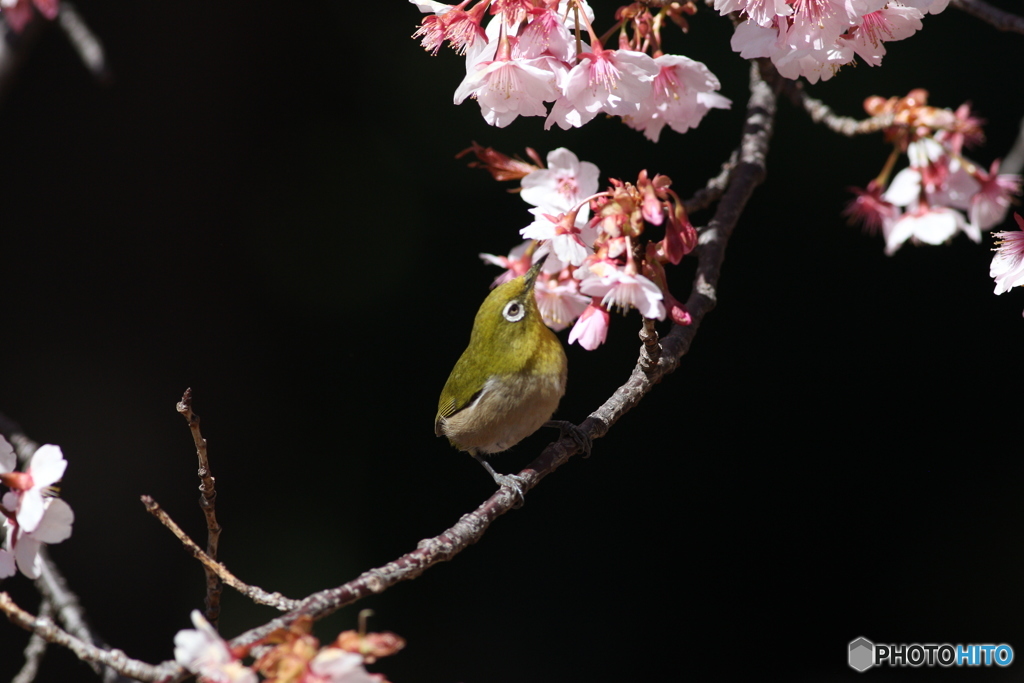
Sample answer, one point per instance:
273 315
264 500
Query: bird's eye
514 311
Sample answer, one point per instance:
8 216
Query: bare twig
254 593
115 659
822 113
208 503
35 650
1004 21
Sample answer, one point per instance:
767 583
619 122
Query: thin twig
1004 21
254 593
208 503
87 652
822 113
35 650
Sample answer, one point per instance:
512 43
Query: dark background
264 205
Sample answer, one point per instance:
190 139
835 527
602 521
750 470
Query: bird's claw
513 481
568 429
516 483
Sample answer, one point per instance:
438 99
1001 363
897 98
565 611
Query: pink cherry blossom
591 330
681 94
609 81
19 12
1008 264
559 301
334 665
892 22
563 232
202 651
515 264
928 6
507 88
620 289
990 203
546 34
762 12
871 209
561 186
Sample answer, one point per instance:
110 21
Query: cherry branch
254 593
44 627
822 113
1004 21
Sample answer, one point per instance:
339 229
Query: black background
264 205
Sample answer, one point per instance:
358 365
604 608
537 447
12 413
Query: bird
508 382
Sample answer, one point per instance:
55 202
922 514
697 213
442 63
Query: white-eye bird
508 381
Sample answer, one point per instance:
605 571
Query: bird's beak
534 271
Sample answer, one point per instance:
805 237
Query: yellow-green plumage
510 378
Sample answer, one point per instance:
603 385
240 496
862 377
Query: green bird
508 381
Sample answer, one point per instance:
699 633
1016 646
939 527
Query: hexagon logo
862 654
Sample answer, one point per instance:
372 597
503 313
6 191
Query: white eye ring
514 311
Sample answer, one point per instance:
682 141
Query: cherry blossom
515 264
29 488
623 290
559 301
561 186
591 330
609 81
871 209
989 205
564 232
507 88
334 665
1008 264
930 225
19 12
202 651
814 38
53 527
892 22
681 94
762 12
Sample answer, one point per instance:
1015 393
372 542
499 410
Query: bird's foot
568 429
513 481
